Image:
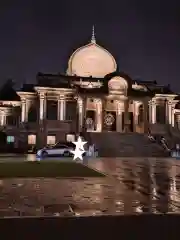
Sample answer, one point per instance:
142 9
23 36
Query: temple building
93 96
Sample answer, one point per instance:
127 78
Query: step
125 144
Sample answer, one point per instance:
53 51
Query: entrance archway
131 121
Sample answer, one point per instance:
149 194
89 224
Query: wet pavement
132 186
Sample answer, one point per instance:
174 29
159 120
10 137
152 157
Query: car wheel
66 154
44 154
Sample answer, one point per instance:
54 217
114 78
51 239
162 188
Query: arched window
32 114
141 114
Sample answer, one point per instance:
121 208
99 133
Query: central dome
91 60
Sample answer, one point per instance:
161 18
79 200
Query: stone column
23 110
61 108
98 115
42 108
146 109
136 113
126 115
28 106
153 112
119 120
80 112
150 111
172 117
3 119
169 112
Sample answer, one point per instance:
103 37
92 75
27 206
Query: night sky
39 36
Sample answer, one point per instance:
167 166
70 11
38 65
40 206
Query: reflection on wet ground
132 186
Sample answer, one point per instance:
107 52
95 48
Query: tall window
141 114
32 114
71 108
160 114
52 110
148 113
11 120
122 121
31 139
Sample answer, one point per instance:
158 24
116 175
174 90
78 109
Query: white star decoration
79 150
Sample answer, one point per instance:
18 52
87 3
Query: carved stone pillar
126 115
172 117
150 111
28 106
136 113
119 120
146 109
169 112
42 108
153 112
61 108
3 118
98 115
23 110
80 113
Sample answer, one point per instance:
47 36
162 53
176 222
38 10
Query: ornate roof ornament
93 38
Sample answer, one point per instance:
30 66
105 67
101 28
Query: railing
158 139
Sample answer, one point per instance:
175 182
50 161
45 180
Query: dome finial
93 39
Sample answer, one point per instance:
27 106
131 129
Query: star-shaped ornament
79 150
78 154
80 144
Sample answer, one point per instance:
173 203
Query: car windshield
62 144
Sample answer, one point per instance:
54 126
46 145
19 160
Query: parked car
57 150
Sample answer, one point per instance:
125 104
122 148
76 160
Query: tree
7 91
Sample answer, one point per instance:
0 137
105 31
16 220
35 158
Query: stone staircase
171 134
113 144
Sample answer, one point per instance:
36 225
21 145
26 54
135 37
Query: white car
56 150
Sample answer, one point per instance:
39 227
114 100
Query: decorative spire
93 39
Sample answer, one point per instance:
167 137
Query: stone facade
98 99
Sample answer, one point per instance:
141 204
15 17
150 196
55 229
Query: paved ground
132 186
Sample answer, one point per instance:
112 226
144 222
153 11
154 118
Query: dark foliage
8 93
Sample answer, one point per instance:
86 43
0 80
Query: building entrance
130 121
90 120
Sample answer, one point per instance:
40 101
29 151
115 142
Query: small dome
91 60
117 83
